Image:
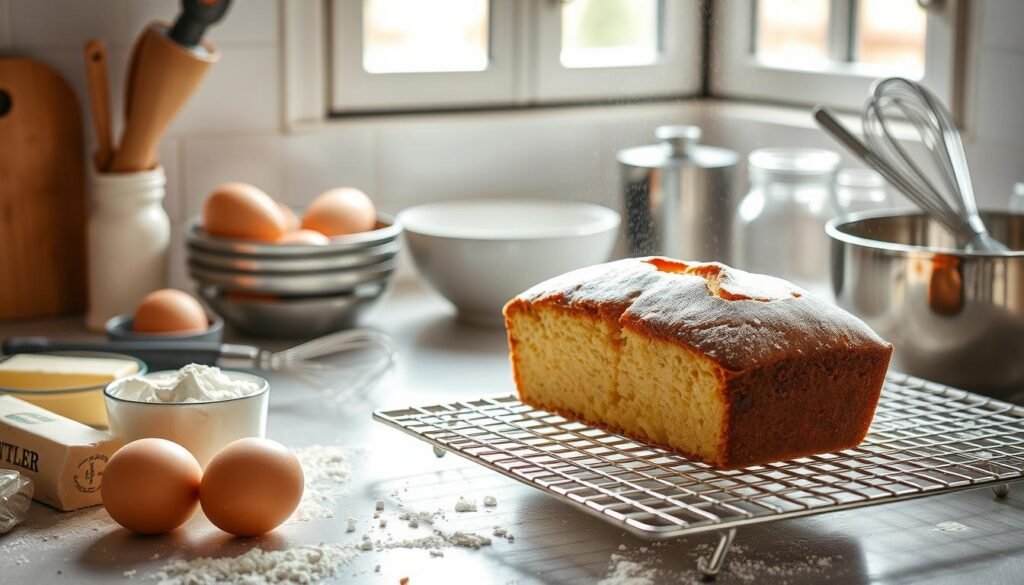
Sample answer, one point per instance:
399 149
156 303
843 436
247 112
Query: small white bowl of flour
202 408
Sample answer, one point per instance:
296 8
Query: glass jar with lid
780 224
860 190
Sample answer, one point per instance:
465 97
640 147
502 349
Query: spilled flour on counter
440 539
627 572
951 527
327 471
305 564
743 564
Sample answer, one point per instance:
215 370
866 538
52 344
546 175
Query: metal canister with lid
679 200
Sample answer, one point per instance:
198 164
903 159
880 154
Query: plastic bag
15 498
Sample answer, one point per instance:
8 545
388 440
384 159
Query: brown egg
238 210
151 486
340 211
251 486
304 237
291 220
169 311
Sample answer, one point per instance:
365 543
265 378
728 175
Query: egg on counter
251 487
292 221
169 311
304 237
340 211
239 210
151 486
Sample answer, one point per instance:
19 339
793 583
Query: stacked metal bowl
293 291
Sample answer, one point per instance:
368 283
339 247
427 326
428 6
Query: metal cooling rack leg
1002 490
439 452
709 569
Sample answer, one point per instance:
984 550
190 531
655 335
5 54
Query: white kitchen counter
967 537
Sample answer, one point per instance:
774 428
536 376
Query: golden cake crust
694 304
796 375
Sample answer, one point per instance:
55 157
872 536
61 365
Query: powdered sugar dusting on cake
678 302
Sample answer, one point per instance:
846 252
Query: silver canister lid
679 146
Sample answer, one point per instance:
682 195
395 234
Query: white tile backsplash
5 24
342 156
210 161
995 168
508 156
999 97
67 24
240 92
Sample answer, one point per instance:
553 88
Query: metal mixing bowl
387 230
353 259
301 318
292 283
954 317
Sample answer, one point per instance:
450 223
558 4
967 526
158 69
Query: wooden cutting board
42 193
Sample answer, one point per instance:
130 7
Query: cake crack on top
725 366
719 280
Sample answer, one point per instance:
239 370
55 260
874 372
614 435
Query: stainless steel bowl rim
834 229
351 260
365 291
195 235
296 283
383 266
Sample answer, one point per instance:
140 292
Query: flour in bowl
192 383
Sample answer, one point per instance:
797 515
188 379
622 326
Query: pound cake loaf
724 366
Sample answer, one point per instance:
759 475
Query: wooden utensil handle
161 78
99 100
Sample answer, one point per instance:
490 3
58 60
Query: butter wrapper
64 458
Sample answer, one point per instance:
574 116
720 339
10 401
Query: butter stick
64 458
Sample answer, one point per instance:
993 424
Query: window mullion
840 37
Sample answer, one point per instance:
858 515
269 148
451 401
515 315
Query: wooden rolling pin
161 77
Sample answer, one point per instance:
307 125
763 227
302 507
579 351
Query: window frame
676 72
352 88
525 68
737 72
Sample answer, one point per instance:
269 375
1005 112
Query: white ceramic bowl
204 428
481 253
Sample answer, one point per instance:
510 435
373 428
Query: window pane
891 33
402 36
795 30
609 33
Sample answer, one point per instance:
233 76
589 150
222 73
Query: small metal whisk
942 187
316 361
320 362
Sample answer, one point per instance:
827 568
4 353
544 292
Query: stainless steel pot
954 317
678 196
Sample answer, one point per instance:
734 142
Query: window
416 54
830 49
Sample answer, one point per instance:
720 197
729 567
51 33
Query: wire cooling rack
925 439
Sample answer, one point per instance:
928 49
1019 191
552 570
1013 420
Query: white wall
231 128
